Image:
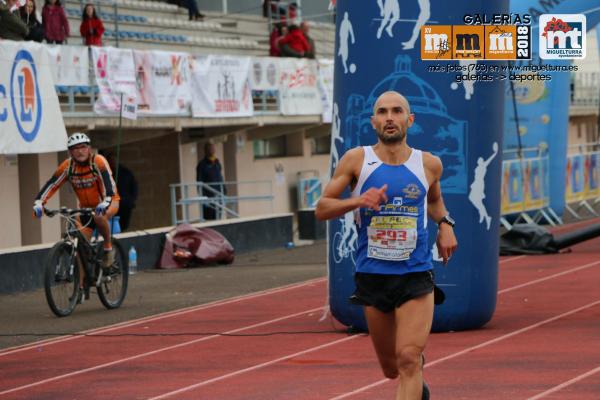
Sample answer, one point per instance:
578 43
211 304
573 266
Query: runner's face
391 118
80 152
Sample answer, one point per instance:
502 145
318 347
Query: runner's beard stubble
396 137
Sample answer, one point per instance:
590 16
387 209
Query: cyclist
91 178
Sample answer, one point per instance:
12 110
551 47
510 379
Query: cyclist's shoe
108 258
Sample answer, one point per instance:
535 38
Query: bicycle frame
83 249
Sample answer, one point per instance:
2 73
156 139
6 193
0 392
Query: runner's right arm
331 206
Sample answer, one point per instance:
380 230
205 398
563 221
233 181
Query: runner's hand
102 207
373 197
446 242
38 209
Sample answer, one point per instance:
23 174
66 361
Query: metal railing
585 89
215 196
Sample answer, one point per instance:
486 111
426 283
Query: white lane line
126 324
108 364
506 260
565 384
472 348
253 368
570 271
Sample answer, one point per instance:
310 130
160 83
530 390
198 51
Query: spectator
11 26
294 44
208 171
193 12
54 20
127 187
279 32
91 28
311 43
29 16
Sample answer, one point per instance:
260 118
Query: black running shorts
387 292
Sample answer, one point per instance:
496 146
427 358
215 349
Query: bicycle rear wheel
61 279
113 286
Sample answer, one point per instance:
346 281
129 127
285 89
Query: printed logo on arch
436 42
562 36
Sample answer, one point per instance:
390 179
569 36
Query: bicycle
75 253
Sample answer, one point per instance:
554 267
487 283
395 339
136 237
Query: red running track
542 343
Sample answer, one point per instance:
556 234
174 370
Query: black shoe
425 395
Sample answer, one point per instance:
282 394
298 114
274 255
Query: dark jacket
36 30
209 171
91 30
56 26
11 26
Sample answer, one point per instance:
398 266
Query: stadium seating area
146 24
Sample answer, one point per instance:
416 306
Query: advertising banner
70 65
30 116
163 84
221 86
114 70
298 87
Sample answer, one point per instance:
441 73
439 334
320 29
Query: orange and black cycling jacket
91 181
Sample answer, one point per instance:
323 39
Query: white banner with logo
221 87
298 87
69 65
163 82
264 73
30 116
114 70
326 87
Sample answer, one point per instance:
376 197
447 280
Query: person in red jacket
294 44
91 28
54 20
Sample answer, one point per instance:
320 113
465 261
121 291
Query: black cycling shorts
387 292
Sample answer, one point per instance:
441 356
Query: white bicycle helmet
77 138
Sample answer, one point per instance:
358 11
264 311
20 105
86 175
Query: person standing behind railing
209 172
54 20
29 16
91 27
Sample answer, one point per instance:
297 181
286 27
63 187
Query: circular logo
25 96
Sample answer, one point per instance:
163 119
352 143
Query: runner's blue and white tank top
394 239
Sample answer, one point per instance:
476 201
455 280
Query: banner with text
221 86
114 70
162 82
30 116
298 87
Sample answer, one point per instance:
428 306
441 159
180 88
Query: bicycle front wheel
61 279
113 286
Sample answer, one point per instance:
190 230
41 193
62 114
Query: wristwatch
447 220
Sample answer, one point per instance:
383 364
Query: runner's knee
408 359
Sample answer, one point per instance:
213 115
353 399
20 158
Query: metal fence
222 197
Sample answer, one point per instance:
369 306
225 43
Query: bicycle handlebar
68 211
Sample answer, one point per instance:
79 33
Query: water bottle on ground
133 267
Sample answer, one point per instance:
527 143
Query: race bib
392 238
